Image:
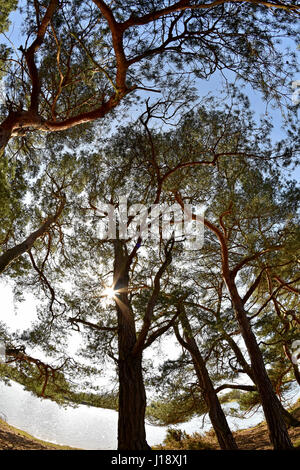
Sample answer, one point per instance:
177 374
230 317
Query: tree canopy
81 59
230 307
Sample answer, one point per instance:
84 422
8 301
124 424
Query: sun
109 292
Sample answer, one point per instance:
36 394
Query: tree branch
153 300
92 325
247 388
13 253
160 331
30 53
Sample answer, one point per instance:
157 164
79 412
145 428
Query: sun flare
109 292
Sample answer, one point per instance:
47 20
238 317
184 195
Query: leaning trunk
216 414
271 405
132 396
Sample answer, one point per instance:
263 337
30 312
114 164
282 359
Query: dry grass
255 438
12 438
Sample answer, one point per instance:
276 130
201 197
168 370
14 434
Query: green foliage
13 189
6 7
58 389
78 65
175 409
177 439
244 182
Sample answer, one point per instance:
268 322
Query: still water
84 427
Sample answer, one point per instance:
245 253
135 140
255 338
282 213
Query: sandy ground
257 438
13 439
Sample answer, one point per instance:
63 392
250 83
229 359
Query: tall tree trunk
14 119
271 405
132 405
216 414
132 396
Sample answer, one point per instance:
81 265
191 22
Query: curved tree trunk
216 414
132 396
4 139
271 405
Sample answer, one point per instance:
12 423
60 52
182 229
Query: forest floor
255 438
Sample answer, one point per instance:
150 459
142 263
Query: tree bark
132 405
132 396
271 405
215 411
5 135
216 414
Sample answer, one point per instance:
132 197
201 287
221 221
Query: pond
84 427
